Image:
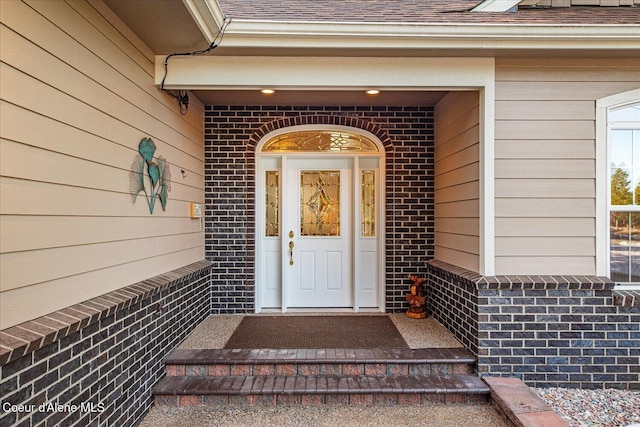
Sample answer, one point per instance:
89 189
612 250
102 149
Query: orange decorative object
417 300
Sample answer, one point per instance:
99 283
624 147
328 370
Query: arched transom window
320 141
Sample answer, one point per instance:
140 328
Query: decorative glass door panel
368 204
271 204
320 203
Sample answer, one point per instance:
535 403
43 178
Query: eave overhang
335 38
207 15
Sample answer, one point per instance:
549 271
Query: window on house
624 194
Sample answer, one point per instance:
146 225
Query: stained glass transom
320 203
320 141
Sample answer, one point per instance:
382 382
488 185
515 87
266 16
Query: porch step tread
320 384
359 355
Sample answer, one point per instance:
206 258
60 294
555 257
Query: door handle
291 245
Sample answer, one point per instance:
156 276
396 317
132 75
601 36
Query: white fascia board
208 15
329 73
282 35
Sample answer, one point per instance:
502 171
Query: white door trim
262 158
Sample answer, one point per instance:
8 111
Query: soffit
165 26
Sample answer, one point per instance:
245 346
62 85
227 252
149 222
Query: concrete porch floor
215 331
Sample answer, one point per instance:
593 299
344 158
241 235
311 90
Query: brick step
402 361
319 390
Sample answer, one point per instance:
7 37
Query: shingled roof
423 12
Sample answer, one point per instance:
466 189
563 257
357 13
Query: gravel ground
597 408
330 416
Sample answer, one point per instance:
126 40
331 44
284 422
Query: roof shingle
431 11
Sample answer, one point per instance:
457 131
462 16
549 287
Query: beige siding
456 179
77 96
545 166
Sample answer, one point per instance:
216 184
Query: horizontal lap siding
456 180
545 164
75 104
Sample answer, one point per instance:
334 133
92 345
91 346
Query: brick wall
559 331
106 352
452 299
231 135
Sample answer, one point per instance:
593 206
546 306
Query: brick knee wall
560 331
103 355
231 136
453 300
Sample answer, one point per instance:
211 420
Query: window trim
603 179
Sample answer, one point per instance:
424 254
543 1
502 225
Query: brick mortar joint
85 313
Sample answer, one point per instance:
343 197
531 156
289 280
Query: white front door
317 227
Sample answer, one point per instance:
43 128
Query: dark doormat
279 332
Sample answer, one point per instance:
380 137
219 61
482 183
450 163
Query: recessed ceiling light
373 92
268 91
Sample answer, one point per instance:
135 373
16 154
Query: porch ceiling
319 98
